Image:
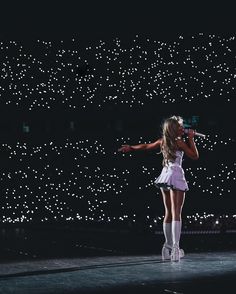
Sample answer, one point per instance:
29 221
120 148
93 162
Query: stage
195 273
76 261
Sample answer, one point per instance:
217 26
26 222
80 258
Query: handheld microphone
196 133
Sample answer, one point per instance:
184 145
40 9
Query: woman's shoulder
179 142
179 151
180 145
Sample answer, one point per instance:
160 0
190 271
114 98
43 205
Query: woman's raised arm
189 149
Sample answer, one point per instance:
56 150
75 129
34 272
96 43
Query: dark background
89 22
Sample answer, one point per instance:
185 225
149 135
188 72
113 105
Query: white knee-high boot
176 232
167 230
166 249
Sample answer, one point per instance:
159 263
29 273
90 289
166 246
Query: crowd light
193 68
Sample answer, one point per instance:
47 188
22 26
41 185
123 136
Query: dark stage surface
197 272
60 260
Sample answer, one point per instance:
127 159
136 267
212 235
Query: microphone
196 133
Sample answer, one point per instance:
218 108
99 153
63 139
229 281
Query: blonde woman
172 180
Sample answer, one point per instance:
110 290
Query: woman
171 181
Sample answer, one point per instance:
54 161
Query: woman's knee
176 217
168 216
176 211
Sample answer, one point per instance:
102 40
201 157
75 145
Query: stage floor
59 259
211 272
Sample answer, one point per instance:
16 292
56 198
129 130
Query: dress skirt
172 177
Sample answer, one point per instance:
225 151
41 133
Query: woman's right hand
191 133
125 148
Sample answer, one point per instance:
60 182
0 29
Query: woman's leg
167 205
177 202
167 225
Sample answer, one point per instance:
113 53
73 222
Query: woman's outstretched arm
150 146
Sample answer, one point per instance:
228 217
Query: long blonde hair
170 131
